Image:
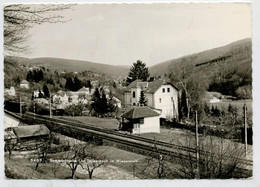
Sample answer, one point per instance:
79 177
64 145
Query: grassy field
121 165
98 122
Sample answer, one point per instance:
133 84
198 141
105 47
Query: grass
104 123
23 168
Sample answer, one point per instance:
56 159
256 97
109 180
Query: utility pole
197 146
50 106
245 126
34 107
20 104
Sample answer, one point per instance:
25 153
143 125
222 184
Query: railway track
124 139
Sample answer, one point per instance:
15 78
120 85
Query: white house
160 95
61 99
36 93
10 91
141 120
24 84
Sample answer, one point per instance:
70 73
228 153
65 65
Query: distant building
10 92
160 95
37 93
117 102
42 101
141 120
60 99
24 84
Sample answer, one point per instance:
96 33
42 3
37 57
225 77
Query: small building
31 134
141 120
10 92
24 84
38 94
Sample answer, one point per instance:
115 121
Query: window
172 99
168 89
141 121
134 104
160 100
133 94
136 126
163 90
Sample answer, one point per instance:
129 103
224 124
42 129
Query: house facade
159 94
24 84
140 120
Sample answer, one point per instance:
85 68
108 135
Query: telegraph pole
50 106
245 126
34 109
197 146
20 104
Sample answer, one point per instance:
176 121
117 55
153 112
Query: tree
74 158
18 19
95 105
142 99
93 161
77 84
46 91
69 84
218 159
138 71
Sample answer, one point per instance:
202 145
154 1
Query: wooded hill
72 65
226 69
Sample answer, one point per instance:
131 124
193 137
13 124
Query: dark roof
140 112
151 86
31 130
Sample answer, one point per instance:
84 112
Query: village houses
159 93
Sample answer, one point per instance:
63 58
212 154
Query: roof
24 82
151 86
84 89
140 112
31 130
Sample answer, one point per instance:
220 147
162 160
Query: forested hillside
225 69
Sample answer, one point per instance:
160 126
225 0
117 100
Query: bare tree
93 161
218 158
74 158
19 18
158 163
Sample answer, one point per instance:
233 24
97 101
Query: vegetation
138 71
143 99
18 19
100 104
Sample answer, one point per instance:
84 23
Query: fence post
245 126
197 146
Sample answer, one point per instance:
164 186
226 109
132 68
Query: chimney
151 79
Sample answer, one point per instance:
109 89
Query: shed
31 133
141 120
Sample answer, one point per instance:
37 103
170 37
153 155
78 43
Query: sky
120 34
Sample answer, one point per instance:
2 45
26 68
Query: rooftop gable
152 86
140 112
31 130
